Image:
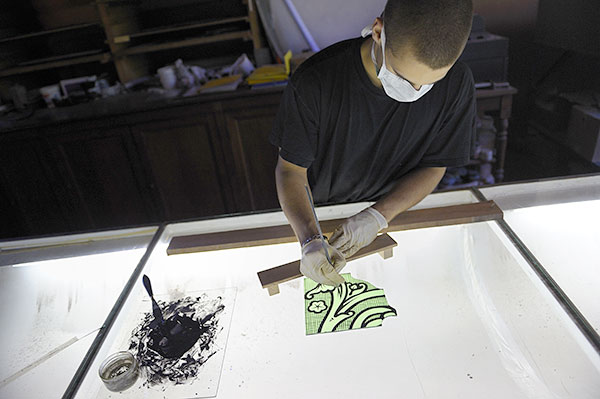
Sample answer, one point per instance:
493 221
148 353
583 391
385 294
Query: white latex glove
315 266
358 231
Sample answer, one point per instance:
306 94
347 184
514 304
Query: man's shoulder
457 87
327 61
460 74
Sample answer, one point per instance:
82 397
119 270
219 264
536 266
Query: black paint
175 349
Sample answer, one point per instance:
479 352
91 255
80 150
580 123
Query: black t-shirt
355 140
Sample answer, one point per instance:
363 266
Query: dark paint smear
175 336
175 351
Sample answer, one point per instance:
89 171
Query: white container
51 93
167 76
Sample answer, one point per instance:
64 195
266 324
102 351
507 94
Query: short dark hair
435 30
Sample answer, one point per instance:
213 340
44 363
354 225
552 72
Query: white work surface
473 321
50 312
559 221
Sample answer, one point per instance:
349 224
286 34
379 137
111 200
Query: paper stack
271 74
227 83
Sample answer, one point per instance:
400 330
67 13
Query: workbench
498 308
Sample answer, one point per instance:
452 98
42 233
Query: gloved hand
315 266
358 231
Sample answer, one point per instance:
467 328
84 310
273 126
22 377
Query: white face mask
394 86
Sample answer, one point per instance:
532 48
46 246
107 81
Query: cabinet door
31 204
185 164
101 180
253 158
12 224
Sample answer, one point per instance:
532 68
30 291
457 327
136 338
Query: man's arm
361 229
409 191
290 180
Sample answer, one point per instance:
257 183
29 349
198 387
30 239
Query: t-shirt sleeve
295 128
452 144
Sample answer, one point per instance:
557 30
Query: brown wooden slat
290 271
446 216
195 41
47 32
486 93
421 218
176 28
104 57
59 57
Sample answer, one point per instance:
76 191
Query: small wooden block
388 253
121 39
271 278
273 289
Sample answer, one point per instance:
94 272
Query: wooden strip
422 218
446 216
60 57
47 32
290 271
487 93
176 28
121 39
104 57
231 239
254 25
195 41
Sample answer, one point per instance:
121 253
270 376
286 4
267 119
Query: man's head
424 38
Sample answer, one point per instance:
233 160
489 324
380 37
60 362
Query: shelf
474 183
480 162
500 91
103 57
47 32
59 57
152 47
177 28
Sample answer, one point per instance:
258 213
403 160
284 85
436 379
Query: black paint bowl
119 371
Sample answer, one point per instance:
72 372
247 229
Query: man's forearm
409 191
294 202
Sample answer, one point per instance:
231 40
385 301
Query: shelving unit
62 52
135 34
128 37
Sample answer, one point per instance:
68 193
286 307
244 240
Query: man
374 119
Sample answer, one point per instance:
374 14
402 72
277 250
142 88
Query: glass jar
119 371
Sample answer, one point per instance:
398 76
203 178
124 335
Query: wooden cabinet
252 158
180 162
102 183
9 214
31 204
183 160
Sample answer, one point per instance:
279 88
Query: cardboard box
583 135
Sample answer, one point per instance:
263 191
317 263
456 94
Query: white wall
329 21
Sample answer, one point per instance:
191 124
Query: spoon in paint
155 308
